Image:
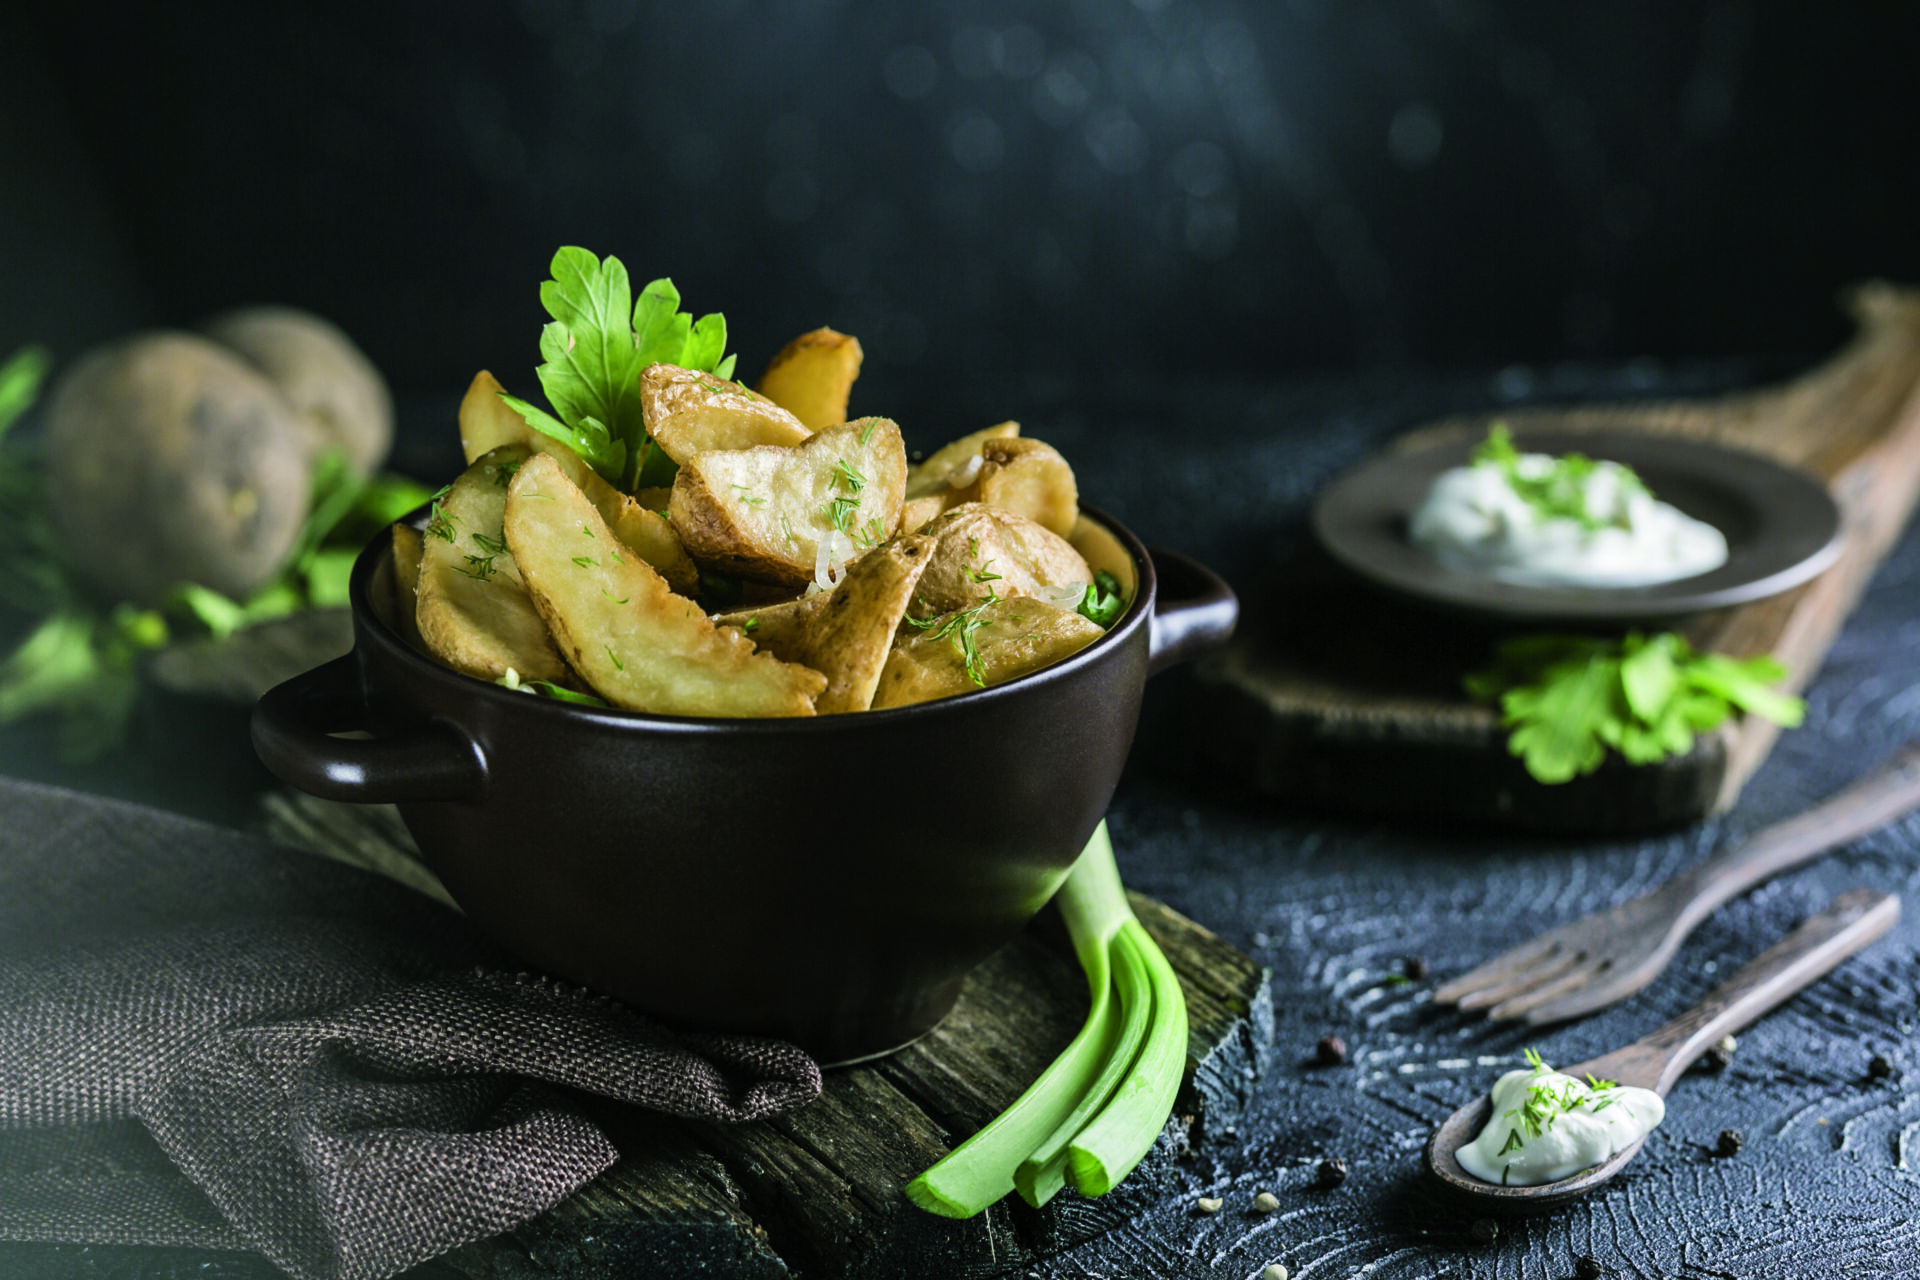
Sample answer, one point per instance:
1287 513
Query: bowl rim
370 627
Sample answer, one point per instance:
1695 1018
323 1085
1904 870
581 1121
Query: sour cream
1473 520
1573 1127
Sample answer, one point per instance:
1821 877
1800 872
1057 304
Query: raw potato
688 413
1016 637
474 611
760 513
938 471
409 548
488 422
1027 477
850 638
327 380
172 460
977 539
779 629
638 644
812 377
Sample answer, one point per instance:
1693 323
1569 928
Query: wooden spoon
1656 1061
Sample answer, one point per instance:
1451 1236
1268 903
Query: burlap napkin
209 1040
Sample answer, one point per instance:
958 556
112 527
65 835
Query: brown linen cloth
208 1040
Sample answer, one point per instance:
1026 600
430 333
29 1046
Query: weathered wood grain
1323 699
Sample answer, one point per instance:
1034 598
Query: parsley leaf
1560 491
599 341
1104 601
1568 699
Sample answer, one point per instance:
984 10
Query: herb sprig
1560 491
1569 699
599 341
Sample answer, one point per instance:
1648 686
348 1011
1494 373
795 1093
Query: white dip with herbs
1536 520
1547 1126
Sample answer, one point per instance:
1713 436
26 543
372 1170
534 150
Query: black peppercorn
1415 968
1333 1172
1715 1059
1585 1268
1331 1051
1730 1143
1485 1230
1880 1068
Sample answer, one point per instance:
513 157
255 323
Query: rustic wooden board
819 1191
1339 694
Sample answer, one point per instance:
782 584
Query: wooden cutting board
819 1191
1338 694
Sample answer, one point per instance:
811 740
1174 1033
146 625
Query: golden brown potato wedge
487 421
917 513
1102 550
779 629
637 643
850 638
940 468
408 549
646 533
688 413
473 612
812 376
1014 637
980 549
762 513
1027 477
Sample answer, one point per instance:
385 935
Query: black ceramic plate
1782 527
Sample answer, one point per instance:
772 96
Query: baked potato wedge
977 547
487 421
851 636
812 376
762 513
917 513
408 549
937 472
688 413
473 610
781 628
1027 477
638 644
1011 638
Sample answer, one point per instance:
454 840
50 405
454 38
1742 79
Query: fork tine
1505 965
1532 979
1617 986
1548 992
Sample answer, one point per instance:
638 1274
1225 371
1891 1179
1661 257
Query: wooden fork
1590 963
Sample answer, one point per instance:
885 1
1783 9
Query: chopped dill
615 659
616 599
586 562
960 627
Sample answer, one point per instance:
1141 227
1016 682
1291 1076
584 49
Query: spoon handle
1881 797
1655 1061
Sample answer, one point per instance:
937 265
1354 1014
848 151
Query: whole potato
171 460
320 372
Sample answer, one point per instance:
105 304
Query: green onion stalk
1098 1108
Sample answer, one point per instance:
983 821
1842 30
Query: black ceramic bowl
828 881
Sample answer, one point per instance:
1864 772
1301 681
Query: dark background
1012 204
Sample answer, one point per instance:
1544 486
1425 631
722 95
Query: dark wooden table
1825 1184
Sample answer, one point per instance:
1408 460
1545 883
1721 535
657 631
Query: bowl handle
291 728
1194 612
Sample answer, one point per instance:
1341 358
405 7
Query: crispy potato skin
977 539
1017 637
409 548
1027 477
487 421
760 513
937 471
638 644
849 639
779 629
813 375
473 610
688 413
